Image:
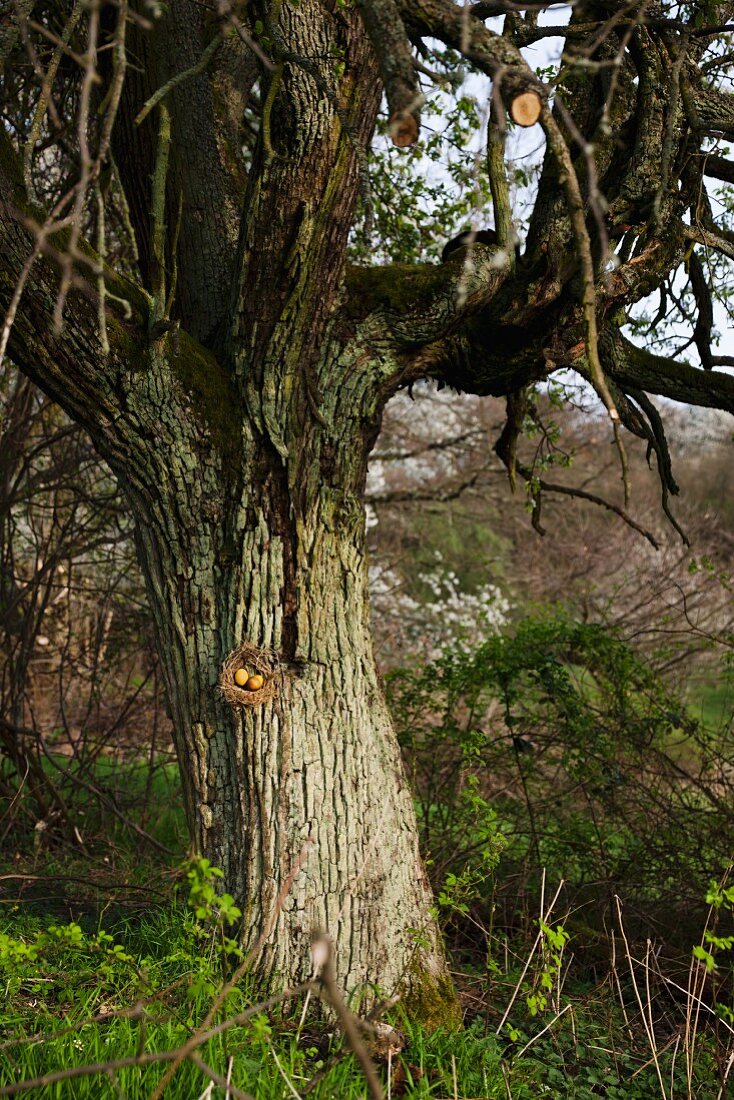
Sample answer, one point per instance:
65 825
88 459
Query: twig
284 1075
86 1071
101 287
86 163
547 1027
529 959
158 214
45 96
569 182
647 1025
179 78
496 134
223 1082
323 957
582 494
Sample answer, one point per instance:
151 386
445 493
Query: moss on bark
402 288
431 1000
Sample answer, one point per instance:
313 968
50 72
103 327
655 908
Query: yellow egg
241 677
255 682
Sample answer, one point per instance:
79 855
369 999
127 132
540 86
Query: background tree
178 190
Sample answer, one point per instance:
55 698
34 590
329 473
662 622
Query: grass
145 985
171 973
711 699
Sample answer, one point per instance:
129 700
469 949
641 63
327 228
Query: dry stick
574 201
114 1082
496 134
596 201
17 295
691 999
641 1069
702 1004
254 1010
90 169
78 58
672 1065
196 1039
667 153
174 258
284 1075
15 799
604 126
158 212
323 953
648 999
467 267
650 1034
547 1027
245 37
334 1059
268 110
10 30
696 975
99 1017
727 1071
609 26
217 1079
529 959
22 17
110 107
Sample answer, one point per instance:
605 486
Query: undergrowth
577 826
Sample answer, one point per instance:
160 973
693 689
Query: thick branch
716 241
417 305
719 168
633 368
712 111
386 32
491 54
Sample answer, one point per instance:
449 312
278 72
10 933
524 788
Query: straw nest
254 661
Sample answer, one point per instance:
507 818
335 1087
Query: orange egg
255 682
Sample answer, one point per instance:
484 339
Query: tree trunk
237 545
245 474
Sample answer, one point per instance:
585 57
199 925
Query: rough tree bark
242 441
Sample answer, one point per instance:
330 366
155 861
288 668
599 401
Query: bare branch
389 40
710 239
635 368
592 498
206 58
705 318
718 167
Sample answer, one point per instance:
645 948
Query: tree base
431 1001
